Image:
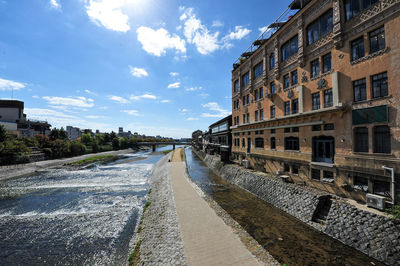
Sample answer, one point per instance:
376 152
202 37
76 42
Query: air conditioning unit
375 201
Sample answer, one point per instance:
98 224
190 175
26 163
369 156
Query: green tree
62 134
86 139
95 146
113 135
3 134
13 152
77 148
115 144
123 143
54 134
60 148
107 138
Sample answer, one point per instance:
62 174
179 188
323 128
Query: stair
37 154
322 211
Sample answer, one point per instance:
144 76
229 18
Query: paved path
206 238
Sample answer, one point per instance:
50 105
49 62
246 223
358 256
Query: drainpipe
393 182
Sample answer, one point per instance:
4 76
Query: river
82 216
286 238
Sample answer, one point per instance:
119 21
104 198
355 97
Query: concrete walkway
206 238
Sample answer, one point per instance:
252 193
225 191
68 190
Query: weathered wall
375 235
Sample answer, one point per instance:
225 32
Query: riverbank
7 172
181 225
374 235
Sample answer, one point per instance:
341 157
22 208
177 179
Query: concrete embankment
182 226
10 171
374 235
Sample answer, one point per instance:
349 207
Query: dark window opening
272 61
314 68
287 130
259 142
354 7
316 101
273 131
294 77
382 139
320 27
329 127
316 174
272 87
258 70
361 139
287 108
292 144
236 86
377 40
328 98
286 168
272 111
295 106
290 48
357 49
360 183
245 79
316 128
295 129
286 81
323 149
327 176
380 85
360 90
273 143
295 169
381 188
326 63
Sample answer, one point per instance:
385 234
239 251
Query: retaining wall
372 234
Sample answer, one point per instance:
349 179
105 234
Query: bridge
155 144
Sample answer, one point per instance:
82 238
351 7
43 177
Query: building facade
220 138
319 99
73 133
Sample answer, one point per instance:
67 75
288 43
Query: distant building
197 139
123 134
73 133
14 120
221 138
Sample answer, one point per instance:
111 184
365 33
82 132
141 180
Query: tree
86 139
107 138
115 144
123 143
113 135
62 134
3 134
77 148
54 134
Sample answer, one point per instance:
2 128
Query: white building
73 133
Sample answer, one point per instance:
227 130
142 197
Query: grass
146 206
182 155
166 152
135 255
94 159
395 211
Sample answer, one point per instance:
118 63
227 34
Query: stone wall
372 234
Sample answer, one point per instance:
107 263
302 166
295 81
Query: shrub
115 144
395 211
14 152
77 148
60 148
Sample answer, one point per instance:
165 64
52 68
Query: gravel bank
161 243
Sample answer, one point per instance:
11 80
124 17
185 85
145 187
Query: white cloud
131 112
184 110
156 42
194 89
90 92
55 4
165 101
35 97
143 96
69 101
238 34
118 99
174 85
204 95
191 119
138 72
173 74
104 108
217 23
263 29
8 85
198 34
95 117
109 14
213 106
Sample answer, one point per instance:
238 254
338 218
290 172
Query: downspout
393 182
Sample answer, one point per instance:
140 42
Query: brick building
318 97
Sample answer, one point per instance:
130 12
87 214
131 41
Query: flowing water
78 217
287 239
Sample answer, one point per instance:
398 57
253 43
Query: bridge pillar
173 146
154 147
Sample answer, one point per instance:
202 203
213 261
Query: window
320 27
354 7
261 114
245 79
272 61
272 111
295 169
248 117
259 143
295 129
255 95
377 40
287 108
243 143
247 98
326 63
273 143
273 131
316 128
361 139
379 85
287 130
272 87
328 98
360 91
290 48
381 188
244 119
327 176
261 93
316 102
292 143
286 168
329 127
295 106
286 81
360 183
244 100
236 86
316 174
256 115
314 68
294 78
357 49
382 139
258 70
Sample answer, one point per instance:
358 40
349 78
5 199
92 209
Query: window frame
315 68
292 143
381 42
357 48
362 143
315 105
236 86
381 90
295 106
360 89
294 78
258 70
272 111
271 61
314 30
383 148
286 81
245 79
290 48
328 94
257 142
287 108
325 67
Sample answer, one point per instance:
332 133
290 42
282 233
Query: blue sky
157 67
